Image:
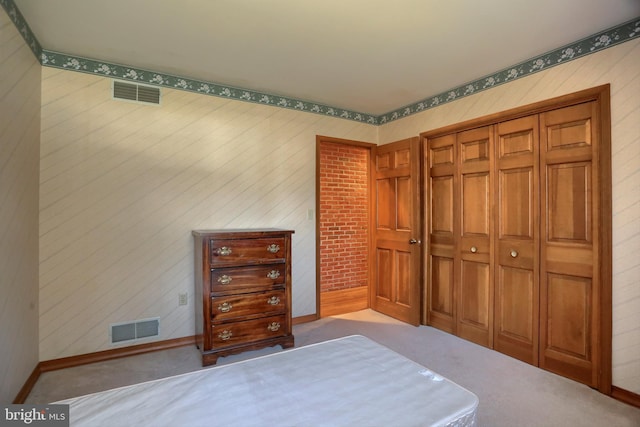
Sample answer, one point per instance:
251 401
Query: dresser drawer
246 251
247 305
246 279
232 333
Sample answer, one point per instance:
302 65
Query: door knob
414 241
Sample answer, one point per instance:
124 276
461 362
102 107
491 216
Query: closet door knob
413 241
473 249
513 253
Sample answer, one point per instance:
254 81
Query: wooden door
440 155
517 245
397 220
474 270
569 270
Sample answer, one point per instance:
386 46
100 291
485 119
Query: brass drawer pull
273 274
513 253
273 326
273 248
225 335
473 249
223 251
225 307
224 279
273 300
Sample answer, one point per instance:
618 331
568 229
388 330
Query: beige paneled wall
19 137
619 66
122 186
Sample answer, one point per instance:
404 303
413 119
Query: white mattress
350 381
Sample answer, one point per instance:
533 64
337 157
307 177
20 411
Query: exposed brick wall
343 216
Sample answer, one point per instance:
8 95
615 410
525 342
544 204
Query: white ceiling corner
370 56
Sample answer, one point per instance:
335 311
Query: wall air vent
135 92
136 330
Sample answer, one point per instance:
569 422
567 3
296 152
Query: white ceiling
370 56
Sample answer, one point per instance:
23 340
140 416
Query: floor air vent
135 330
136 92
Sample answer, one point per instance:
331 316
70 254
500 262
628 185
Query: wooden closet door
440 159
474 246
517 247
570 290
543 292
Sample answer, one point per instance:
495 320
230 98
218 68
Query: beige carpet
511 393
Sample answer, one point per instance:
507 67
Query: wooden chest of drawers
243 290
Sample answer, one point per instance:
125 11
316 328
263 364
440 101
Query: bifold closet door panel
474 320
516 257
440 305
569 262
519 230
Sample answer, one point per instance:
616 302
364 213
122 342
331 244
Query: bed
350 381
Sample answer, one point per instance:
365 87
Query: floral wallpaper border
594 43
61 60
589 45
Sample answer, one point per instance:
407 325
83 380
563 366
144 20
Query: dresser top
255 232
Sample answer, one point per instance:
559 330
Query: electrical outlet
182 299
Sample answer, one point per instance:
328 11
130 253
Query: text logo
34 415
